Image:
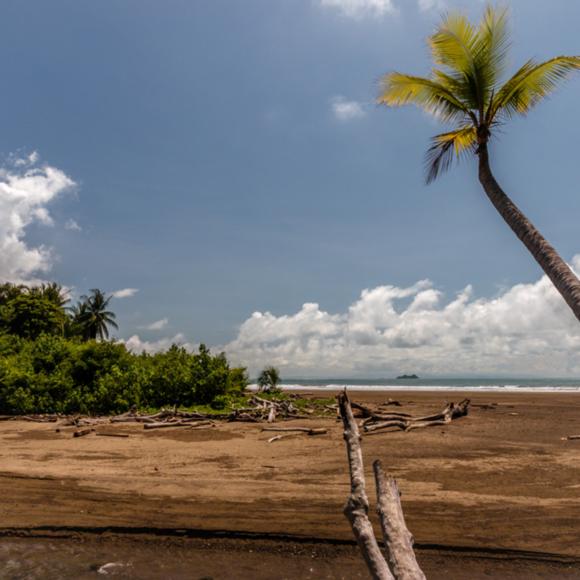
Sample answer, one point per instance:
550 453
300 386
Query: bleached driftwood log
357 505
398 541
308 430
376 421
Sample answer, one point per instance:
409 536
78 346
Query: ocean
421 384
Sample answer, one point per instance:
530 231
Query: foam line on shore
430 388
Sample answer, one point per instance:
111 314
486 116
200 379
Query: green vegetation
467 89
269 379
58 360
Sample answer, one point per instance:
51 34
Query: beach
494 491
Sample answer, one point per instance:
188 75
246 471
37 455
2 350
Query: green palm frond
491 48
465 86
399 89
452 44
531 84
446 146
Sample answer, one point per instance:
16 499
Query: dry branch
308 430
82 432
278 437
398 539
377 422
113 434
357 505
164 424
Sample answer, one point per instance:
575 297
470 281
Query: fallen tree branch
278 437
163 425
398 540
113 434
357 505
82 432
409 423
308 430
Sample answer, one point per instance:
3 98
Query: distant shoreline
428 388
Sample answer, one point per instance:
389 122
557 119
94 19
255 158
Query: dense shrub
51 362
53 374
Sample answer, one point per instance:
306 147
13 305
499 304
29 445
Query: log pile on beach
255 409
258 409
378 420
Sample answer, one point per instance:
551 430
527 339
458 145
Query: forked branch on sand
402 564
405 422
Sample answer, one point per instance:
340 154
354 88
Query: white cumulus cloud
137 345
527 330
360 8
345 110
157 325
124 293
26 190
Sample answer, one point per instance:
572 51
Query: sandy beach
497 490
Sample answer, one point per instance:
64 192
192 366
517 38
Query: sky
222 169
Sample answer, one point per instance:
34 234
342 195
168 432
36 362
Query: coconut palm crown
466 89
93 317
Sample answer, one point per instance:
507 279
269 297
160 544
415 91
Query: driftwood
398 539
357 505
82 432
452 411
307 430
101 434
165 424
572 437
390 401
201 425
402 563
278 437
293 431
260 409
39 418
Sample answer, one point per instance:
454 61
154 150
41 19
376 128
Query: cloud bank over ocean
526 330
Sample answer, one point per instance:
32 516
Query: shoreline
332 389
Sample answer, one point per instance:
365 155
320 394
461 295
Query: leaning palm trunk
544 253
466 89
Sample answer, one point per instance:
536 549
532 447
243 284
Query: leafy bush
57 375
51 362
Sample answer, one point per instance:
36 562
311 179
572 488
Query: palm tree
53 292
268 379
465 89
93 316
75 327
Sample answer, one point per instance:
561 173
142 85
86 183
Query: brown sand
501 479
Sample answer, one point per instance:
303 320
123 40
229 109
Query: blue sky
228 159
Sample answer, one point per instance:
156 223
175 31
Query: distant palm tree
53 292
268 379
74 327
93 317
466 91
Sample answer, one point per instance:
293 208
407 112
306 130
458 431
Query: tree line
56 358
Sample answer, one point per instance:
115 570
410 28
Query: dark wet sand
495 494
